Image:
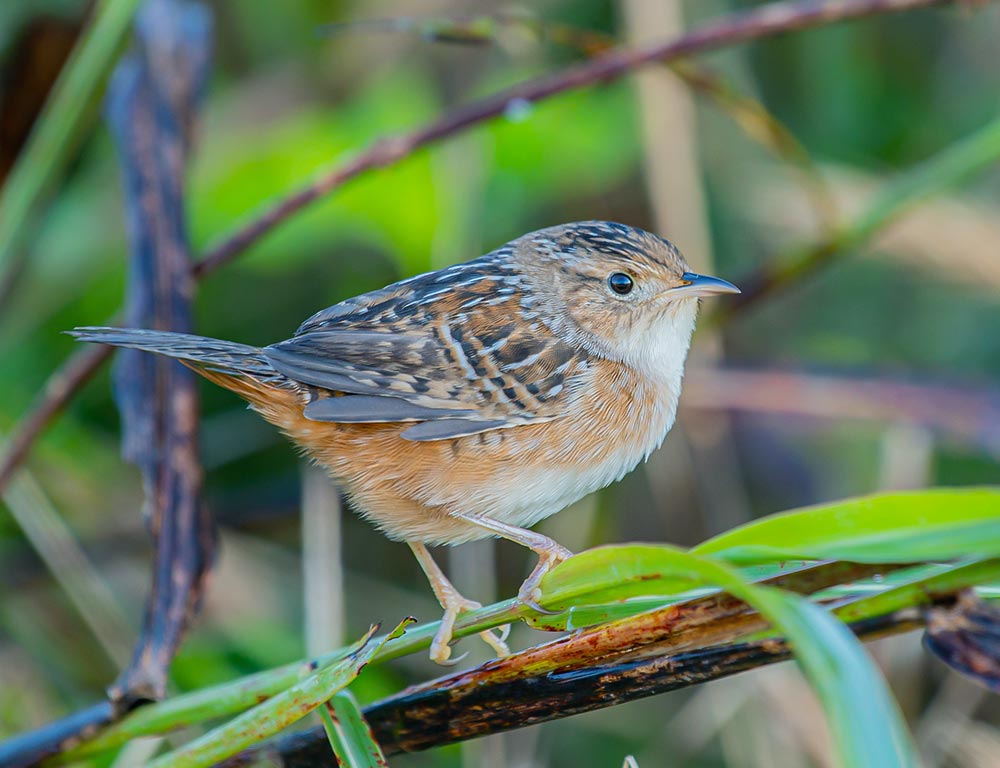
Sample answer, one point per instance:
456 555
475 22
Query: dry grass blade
966 637
951 238
954 164
55 543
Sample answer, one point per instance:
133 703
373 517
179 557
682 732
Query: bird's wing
454 351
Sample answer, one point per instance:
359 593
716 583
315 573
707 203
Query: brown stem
466 706
699 623
59 390
771 19
963 412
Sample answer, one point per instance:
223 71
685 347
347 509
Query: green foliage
864 719
349 734
616 583
862 714
277 713
935 524
59 127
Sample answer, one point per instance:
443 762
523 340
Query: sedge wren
479 399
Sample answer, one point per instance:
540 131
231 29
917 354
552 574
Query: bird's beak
703 285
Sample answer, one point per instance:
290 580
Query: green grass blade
919 589
951 166
51 142
973 154
895 591
612 572
593 612
934 524
621 571
864 719
239 695
350 736
862 715
279 712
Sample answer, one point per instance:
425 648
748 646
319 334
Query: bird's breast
536 470
517 475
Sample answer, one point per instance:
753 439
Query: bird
478 399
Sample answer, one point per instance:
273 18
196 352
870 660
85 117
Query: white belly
534 490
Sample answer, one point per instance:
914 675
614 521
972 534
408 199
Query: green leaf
279 712
622 571
864 720
593 613
52 140
350 735
863 717
935 524
920 588
239 695
900 589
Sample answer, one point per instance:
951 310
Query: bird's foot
455 605
549 556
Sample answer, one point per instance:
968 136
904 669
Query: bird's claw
440 645
530 593
532 602
447 661
497 641
503 633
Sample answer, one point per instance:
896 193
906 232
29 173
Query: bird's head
622 292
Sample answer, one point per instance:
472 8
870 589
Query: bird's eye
620 283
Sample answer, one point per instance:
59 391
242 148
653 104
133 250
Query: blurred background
877 371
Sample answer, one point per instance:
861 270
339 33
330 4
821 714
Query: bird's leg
550 553
454 604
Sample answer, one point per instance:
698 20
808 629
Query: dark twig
469 705
150 109
966 637
58 391
698 623
771 19
34 746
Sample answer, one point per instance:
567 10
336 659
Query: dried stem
704 621
59 390
471 705
771 19
964 412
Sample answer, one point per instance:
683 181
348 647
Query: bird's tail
225 362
